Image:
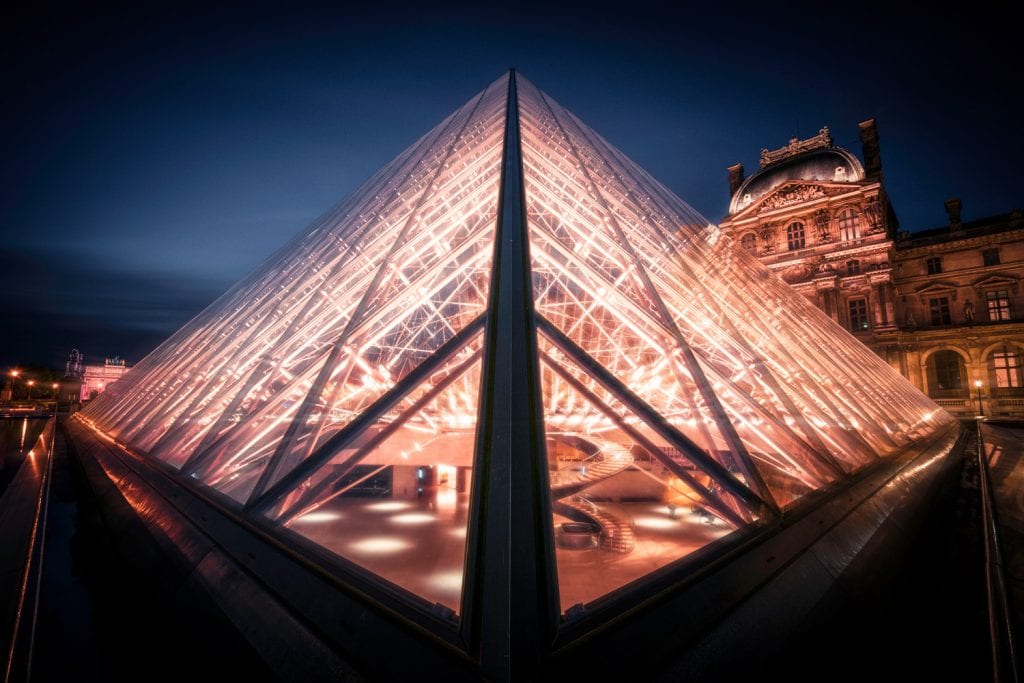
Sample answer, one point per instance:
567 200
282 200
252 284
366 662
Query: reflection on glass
395 499
687 392
625 500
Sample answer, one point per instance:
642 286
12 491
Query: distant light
447 581
390 506
32 382
413 518
318 517
655 523
381 545
977 383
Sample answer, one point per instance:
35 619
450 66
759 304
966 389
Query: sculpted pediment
791 193
1011 282
945 287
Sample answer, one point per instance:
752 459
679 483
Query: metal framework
514 324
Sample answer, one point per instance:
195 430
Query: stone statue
767 235
821 220
969 311
873 214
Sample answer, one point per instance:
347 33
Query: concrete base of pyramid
310 618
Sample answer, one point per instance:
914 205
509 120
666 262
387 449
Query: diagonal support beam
312 497
725 426
654 419
629 430
283 455
382 405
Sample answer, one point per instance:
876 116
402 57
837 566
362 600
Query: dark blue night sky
153 157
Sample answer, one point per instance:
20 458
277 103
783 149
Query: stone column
884 306
832 304
917 372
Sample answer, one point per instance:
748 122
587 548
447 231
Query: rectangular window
998 303
1006 367
934 265
853 267
940 310
795 236
990 257
858 315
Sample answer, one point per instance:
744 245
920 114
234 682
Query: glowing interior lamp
413 518
381 545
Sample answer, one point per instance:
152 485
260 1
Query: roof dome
831 164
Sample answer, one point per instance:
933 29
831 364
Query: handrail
1004 658
23 509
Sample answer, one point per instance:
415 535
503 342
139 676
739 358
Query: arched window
749 242
795 236
1005 369
946 371
849 225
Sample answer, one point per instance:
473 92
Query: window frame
933 265
796 236
1007 374
939 312
1001 299
848 225
857 314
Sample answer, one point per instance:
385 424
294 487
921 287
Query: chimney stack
953 210
735 178
870 149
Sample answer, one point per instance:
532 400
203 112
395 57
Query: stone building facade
942 306
97 378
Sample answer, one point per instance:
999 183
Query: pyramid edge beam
510 602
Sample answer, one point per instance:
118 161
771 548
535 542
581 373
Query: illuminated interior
687 391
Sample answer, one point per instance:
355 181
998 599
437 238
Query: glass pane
273 325
421 280
626 501
394 499
592 246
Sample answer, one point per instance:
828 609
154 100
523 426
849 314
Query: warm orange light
14 373
31 382
54 385
977 383
672 366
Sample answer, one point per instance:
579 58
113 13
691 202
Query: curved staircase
605 459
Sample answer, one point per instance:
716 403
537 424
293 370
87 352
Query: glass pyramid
513 362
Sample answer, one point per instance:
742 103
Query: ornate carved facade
942 306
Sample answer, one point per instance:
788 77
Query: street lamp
977 385
31 383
